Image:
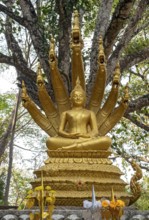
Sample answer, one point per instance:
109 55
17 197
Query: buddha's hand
84 135
74 135
68 135
79 135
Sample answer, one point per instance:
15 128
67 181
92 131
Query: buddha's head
77 95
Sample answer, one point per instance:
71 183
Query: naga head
24 96
52 56
101 57
40 80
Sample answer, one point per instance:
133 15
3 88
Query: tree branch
128 157
127 36
137 104
18 59
4 139
37 35
11 14
11 41
142 27
64 23
11 148
134 58
20 128
119 18
28 11
6 59
38 151
100 30
30 21
136 122
136 74
23 72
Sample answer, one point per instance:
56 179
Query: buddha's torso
78 120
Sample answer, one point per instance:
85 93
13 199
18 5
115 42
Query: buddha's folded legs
98 143
59 142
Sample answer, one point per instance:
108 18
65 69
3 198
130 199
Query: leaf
38 188
48 188
31 216
30 203
45 214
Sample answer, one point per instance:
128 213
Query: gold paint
78 149
116 78
116 115
60 92
46 101
99 85
82 128
36 114
76 47
134 185
41 197
110 103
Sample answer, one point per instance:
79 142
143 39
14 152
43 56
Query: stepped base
72 173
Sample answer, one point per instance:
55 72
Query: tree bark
13 125
65 17
134 58
125 39
118 21
5 137
100 30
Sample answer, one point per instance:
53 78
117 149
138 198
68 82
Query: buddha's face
78 98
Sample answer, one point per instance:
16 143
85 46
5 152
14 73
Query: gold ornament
78 148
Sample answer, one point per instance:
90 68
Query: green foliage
143 202
3 103
6 103
48 18
137 44
115 3
27 134
6 106
130 138
89 9
19 186
129 141
138 77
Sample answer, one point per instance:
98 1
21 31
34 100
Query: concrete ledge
72 213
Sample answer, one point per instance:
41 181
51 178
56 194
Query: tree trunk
11 149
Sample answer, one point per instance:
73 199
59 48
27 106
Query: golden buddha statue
78 147
78 127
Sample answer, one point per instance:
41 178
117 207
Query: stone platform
73 213
73 173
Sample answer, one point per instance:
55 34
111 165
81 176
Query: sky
5 86
8 80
